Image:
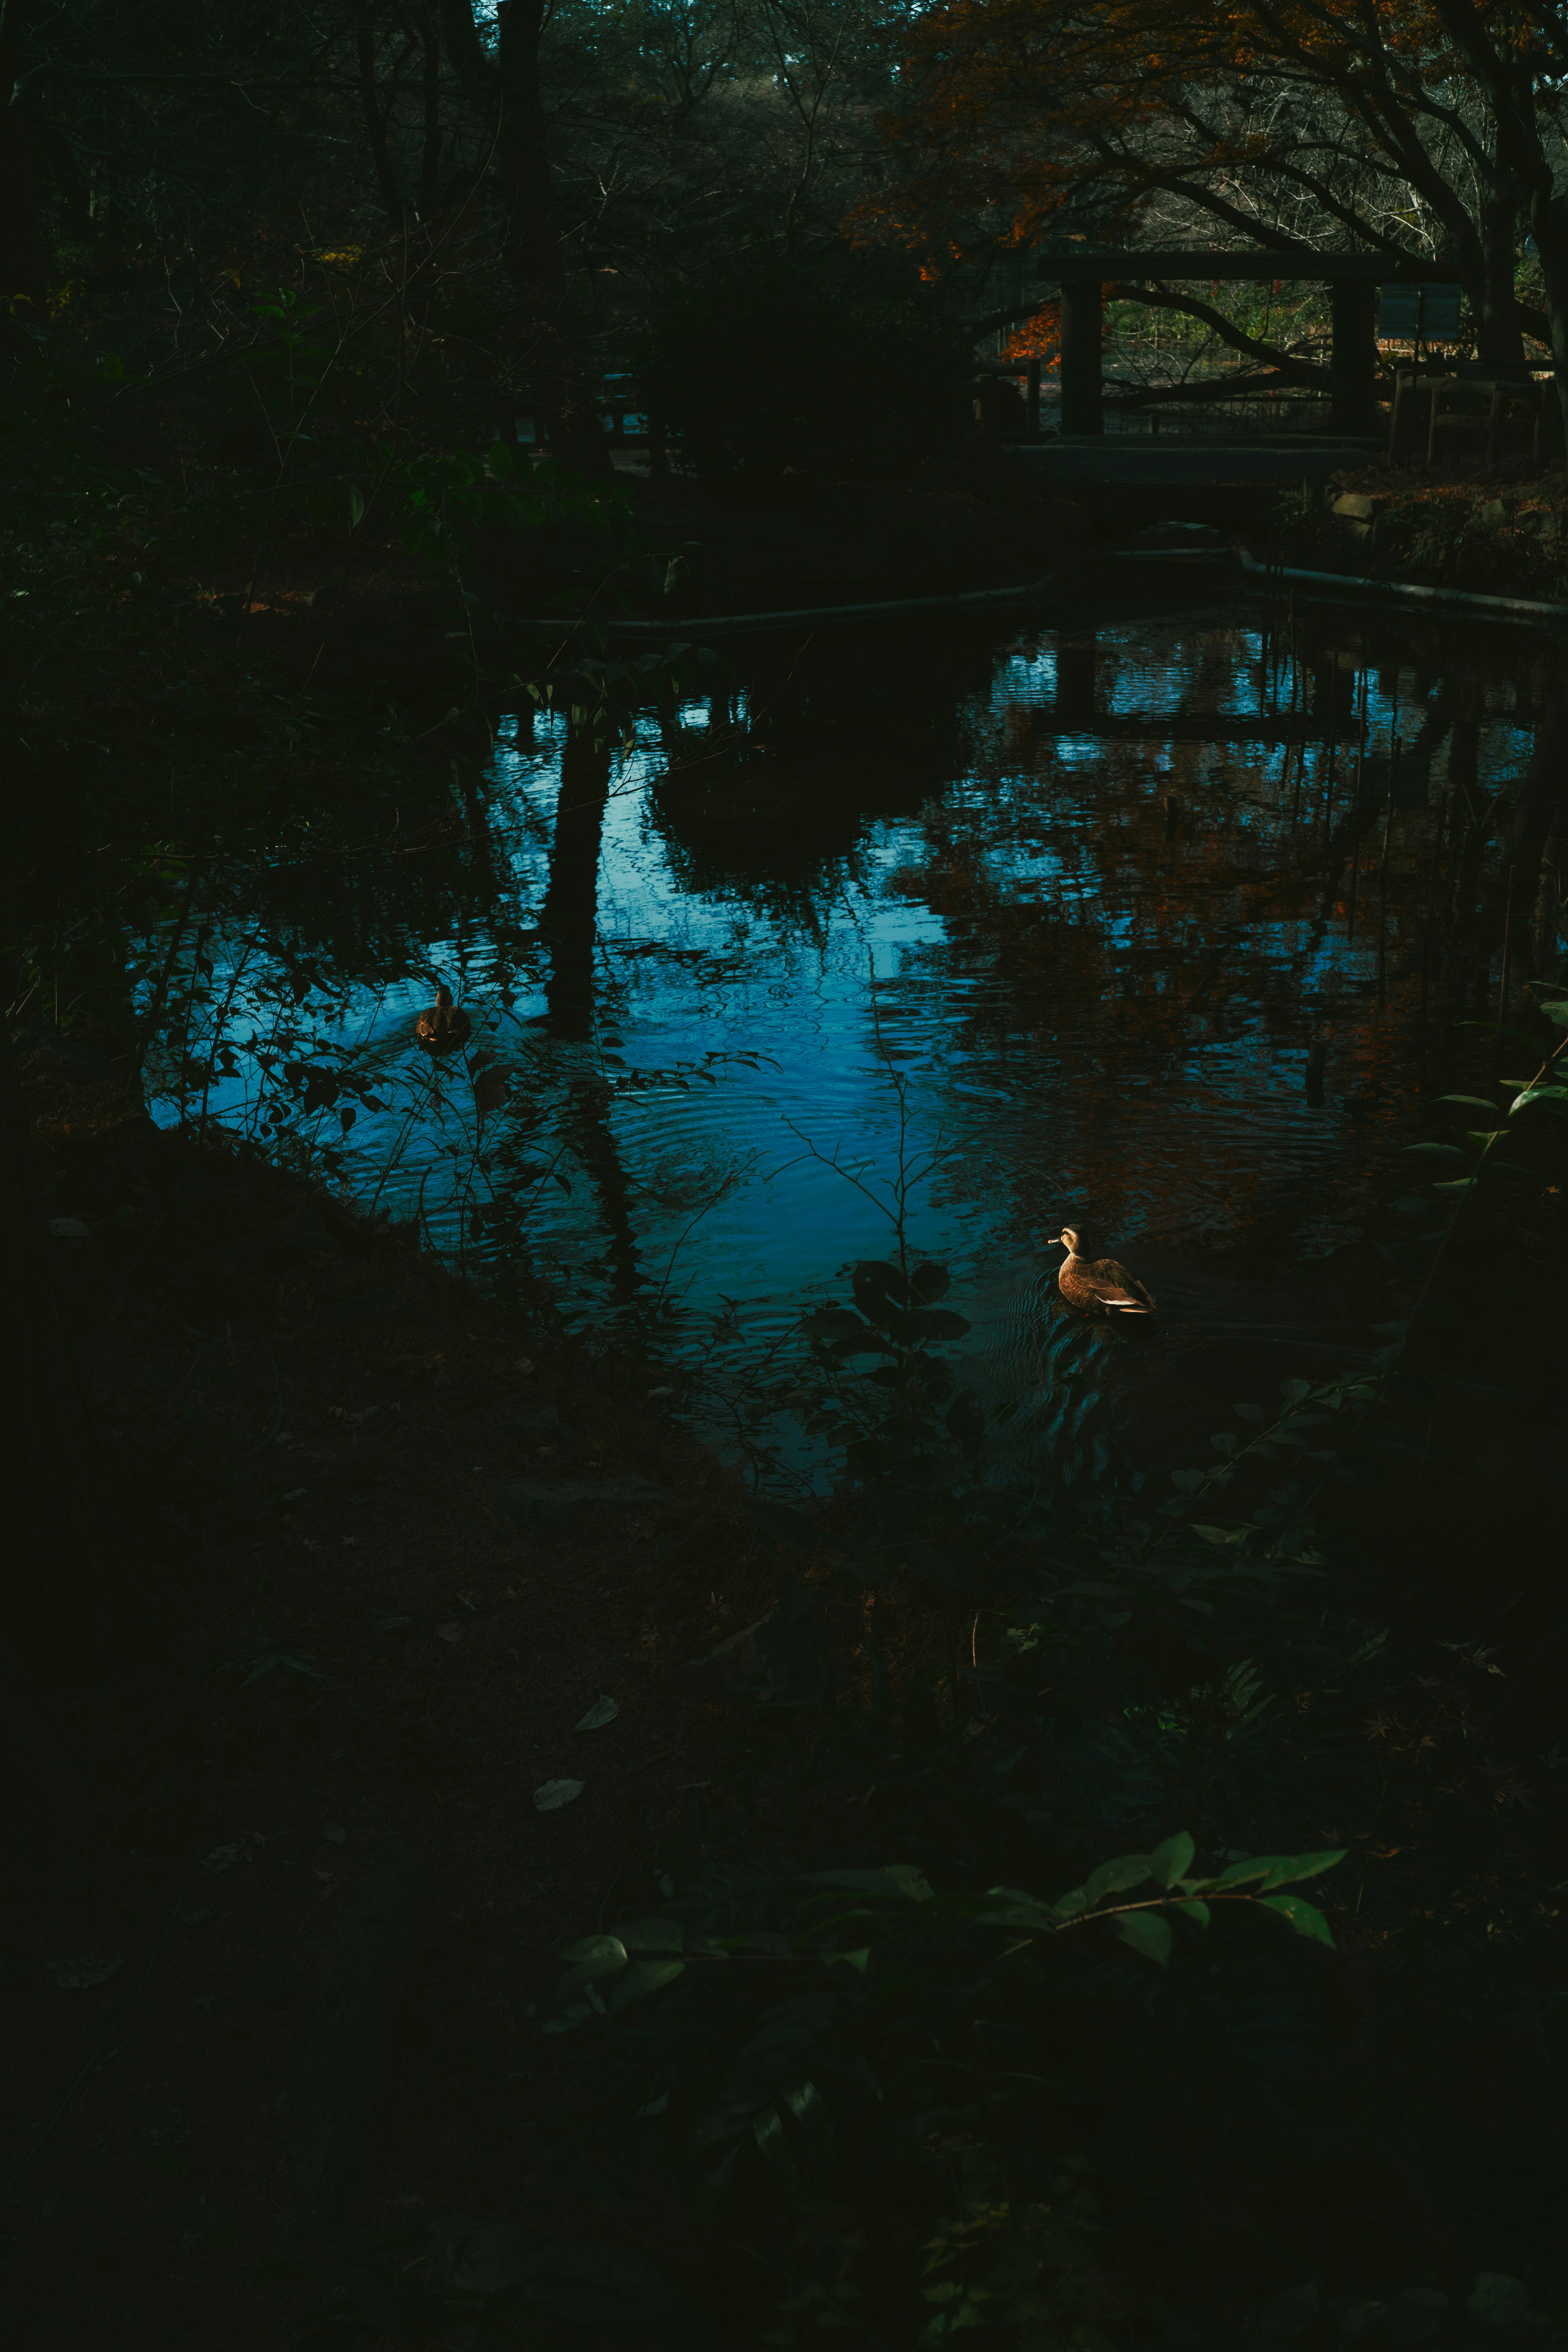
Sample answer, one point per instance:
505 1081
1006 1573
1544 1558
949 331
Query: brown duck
1101 1282
443 1028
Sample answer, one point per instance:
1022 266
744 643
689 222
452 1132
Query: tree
1297 126
1521 62
23 272
504 84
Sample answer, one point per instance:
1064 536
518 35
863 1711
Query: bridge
1082 272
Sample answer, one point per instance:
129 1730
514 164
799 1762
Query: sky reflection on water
1086 890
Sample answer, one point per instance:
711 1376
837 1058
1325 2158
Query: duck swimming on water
443 1028
1101 1282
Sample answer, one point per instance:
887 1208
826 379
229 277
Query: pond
1085 919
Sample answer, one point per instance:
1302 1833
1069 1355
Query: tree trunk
24 264
1499 339
375 123
1352 361
430 151
64 1597
1549 220
533 250
508 88
570 916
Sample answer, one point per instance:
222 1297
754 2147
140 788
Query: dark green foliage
770 372
340 2068
496 2280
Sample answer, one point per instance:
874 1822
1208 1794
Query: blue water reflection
1086 892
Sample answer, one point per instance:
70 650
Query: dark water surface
1084 887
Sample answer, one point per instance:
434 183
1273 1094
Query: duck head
1069 1238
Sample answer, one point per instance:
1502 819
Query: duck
443 1028
1102 1282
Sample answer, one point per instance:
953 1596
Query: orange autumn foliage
1038 338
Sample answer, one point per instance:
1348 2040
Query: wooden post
986 406
1352 362
1402 384
1082 310
1032 399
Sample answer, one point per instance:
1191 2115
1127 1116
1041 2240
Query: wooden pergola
1083 271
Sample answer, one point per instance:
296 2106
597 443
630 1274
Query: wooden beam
1081 392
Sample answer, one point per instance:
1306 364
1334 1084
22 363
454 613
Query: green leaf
1294 1390
1293 2312
644 1977
1116 1877
1022 1911
1540 1094
834 1323
1250 1412
600 2286
1439 1150
1173 1860
768 2131
1304 1917
1515 1036
597 1956
501 461
1416 2314
1197 1912
1471 1102
898 1879
880 1290
1458 1184
1148 1932
929 1323
1496 2300
1557 1012
1189 1481
1279 1869
1396 1440
653 1936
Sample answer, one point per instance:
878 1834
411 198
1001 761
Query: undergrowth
893 2084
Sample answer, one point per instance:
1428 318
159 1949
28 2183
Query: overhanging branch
1290 371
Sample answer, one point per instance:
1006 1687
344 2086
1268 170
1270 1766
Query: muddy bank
1502 536
296 1909
379 622
824 541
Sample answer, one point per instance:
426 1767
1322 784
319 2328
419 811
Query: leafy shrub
769 372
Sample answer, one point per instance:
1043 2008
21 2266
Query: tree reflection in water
1102 874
